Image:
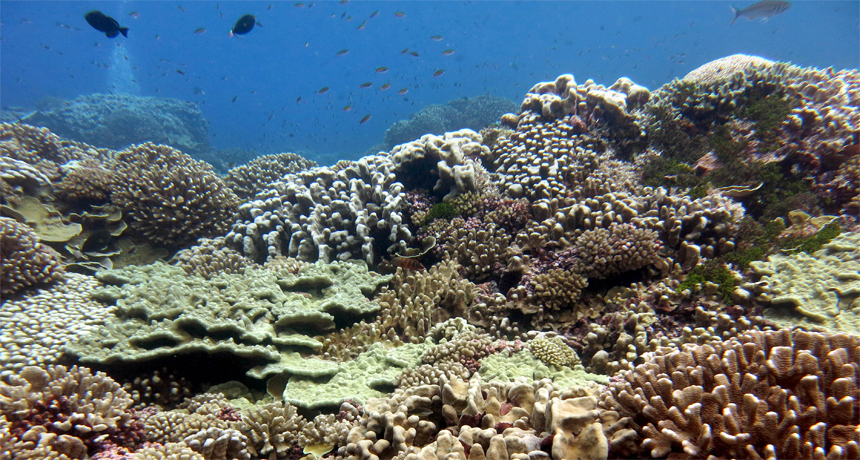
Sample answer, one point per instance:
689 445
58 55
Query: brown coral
603 252
210 257
25 261
173 198
248 179
85 180
777 394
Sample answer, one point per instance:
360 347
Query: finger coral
25 261
71 402
172 198
248 179
776 394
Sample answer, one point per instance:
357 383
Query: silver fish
764 10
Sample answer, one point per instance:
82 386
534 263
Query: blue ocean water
261 91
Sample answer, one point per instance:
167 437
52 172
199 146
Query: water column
121 78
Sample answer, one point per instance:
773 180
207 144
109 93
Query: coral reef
25 261
248 179
763 394
116 121
473 113
172 198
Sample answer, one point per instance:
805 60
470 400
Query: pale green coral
506 367
817 291
371 375
552 350
262 315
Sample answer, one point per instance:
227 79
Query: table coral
172 198
25 261
257 315
777 394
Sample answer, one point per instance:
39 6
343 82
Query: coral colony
610 272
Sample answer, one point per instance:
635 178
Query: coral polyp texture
778 394
610 272
172 198
26 262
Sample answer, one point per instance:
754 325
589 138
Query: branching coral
253 177
25 261
776 394
69 402
172 198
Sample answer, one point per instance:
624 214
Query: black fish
244 25
105 24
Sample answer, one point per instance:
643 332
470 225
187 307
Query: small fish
343 2
323 90
198 91
105 24
403 91
361 26
420 411
270 6
437 38
447 52
298 99
181 8
234 98
180 72
404 51
413 53
347 108
366 85
763 10
381 69
244 25
385 86
407 264
399 14
134 14
438 73
364 120
343 52
200 30
374 14
299 5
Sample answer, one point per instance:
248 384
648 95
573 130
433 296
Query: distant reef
116 121
474 113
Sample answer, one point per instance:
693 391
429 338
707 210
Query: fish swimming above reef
105 24
763 10
243 25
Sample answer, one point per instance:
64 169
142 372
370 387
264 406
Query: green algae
443 210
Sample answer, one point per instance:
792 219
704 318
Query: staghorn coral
776 394
209 257
68 402
25 261
249 179
172 198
